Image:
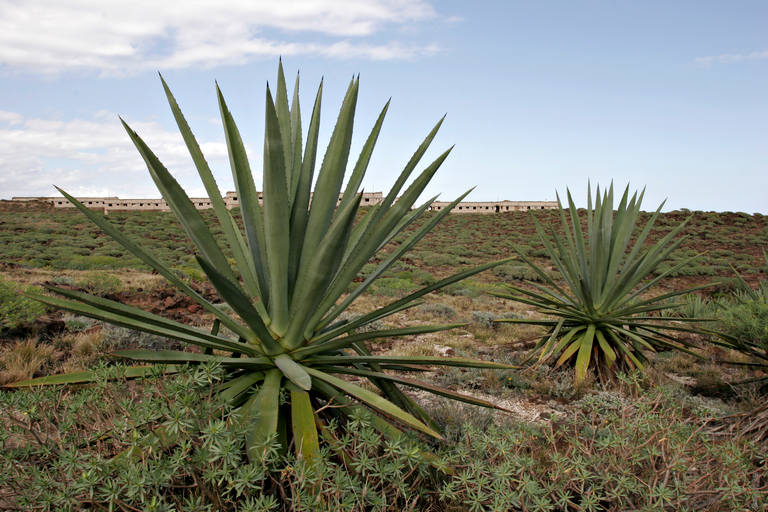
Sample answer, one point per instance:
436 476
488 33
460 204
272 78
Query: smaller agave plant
287 346
602 315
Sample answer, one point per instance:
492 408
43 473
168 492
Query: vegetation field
675 436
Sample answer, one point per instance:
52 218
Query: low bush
81 262
643 450
520 272
99 283
484 319
747 321
393 286
439 310
16 309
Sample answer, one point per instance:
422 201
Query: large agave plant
602 314
292 265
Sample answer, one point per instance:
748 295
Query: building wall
108 204
369 198
97 203
495 206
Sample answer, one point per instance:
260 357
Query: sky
540 96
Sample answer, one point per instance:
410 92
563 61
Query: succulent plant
293 264
603 314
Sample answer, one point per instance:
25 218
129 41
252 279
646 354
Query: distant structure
495 206
115 204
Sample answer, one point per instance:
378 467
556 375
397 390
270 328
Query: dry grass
86 343
24 359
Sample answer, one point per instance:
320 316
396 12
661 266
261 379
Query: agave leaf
346 321
316 273
153 262
178 357
348 341
337 398
408 219
373 400
392 392
140 315
390 260
283 116
239 385
304 429
437 390
642 289
585 353
182 207
398 305
276 217
84 377
261 414
635 359
240 303
548 342
543 275
563 342
371 240
331 173
300 213
363 160
231 231
169 331
293 371
250 209
392 195
634 336
414 360
387 429
296 145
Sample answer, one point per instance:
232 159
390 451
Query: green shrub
465 289
16 309
386 474
606 455
520 272
483 319
747 321
611 452
393 286
438 309
76 323
99 283
696 307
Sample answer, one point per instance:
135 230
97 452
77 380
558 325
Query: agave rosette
293 264
602 315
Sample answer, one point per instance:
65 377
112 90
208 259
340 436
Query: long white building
114 203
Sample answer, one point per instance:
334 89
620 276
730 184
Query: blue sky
540 96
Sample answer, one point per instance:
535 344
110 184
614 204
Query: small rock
169 302
444 350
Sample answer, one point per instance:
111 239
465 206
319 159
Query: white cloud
729 58
93 156
10 118
50 36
